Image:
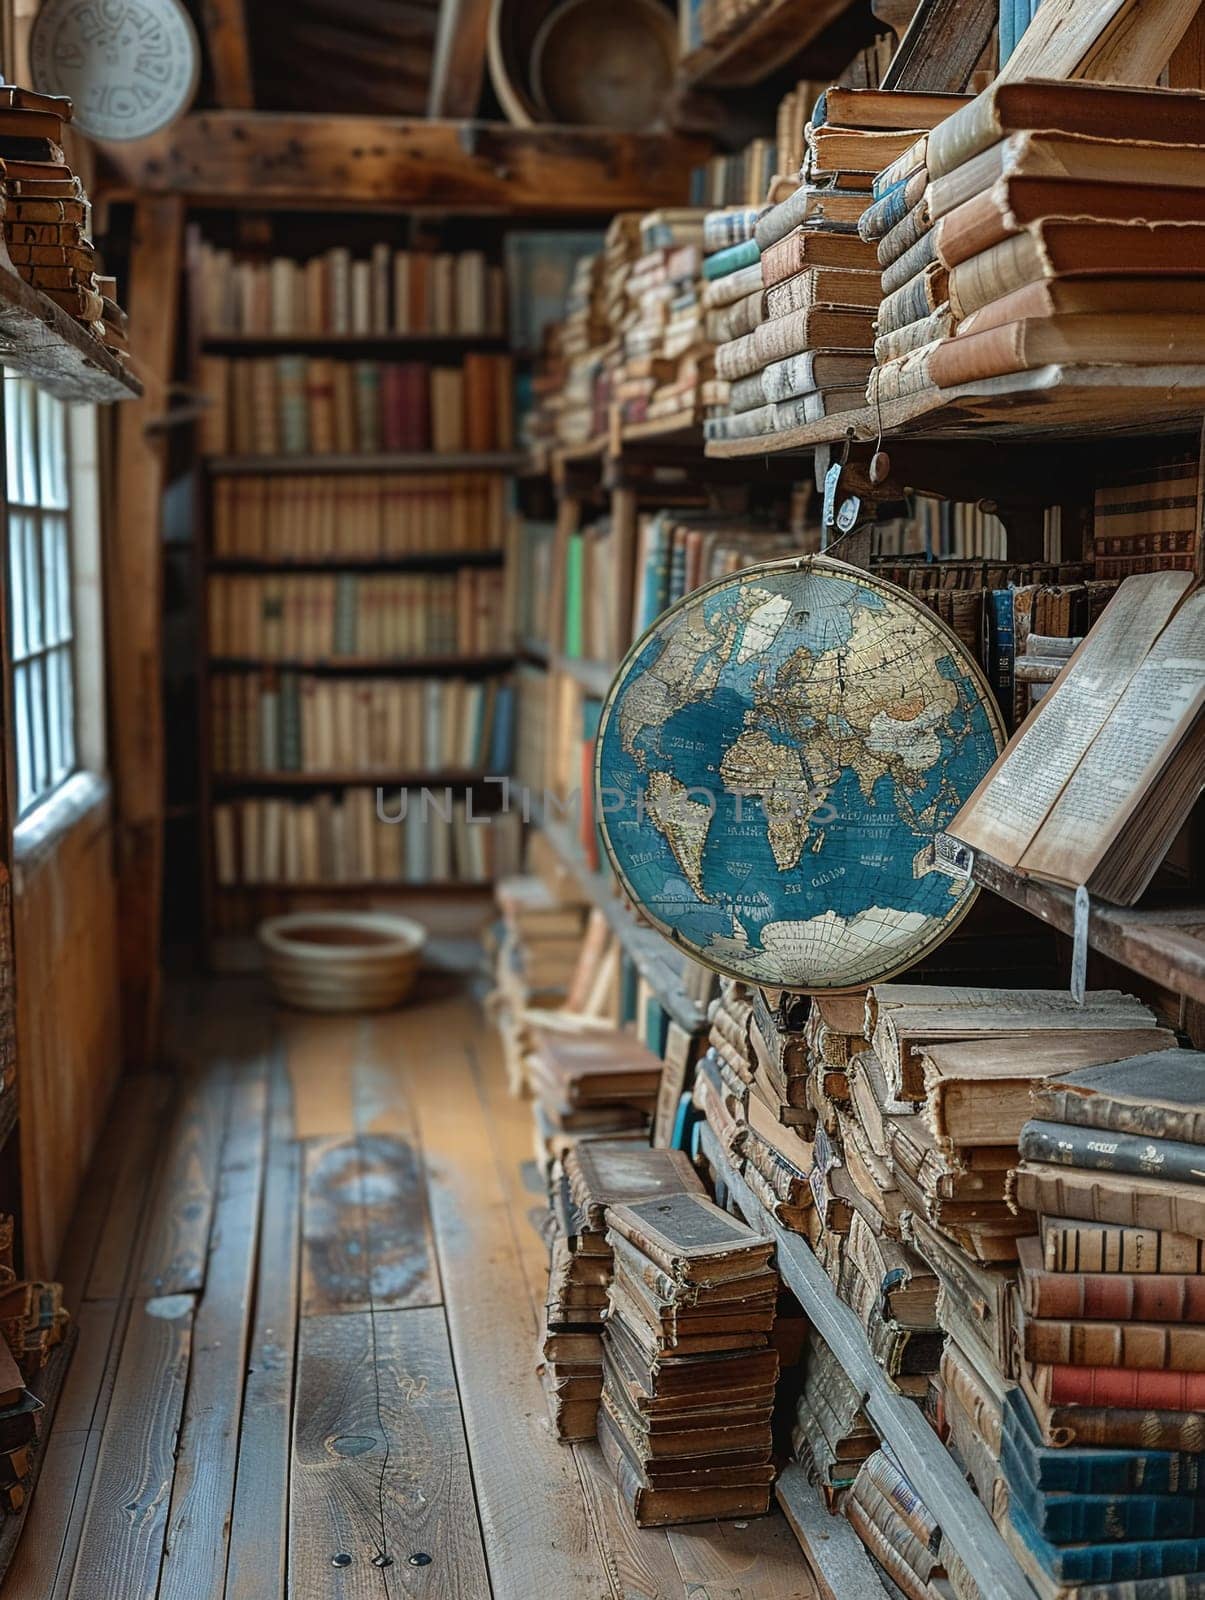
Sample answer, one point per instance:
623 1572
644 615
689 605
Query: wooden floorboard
198 1526
136 1130
259 1523
365 1233
381 1467
537 1540
179 1218
121 1546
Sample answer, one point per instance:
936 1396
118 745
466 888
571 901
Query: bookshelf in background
355 506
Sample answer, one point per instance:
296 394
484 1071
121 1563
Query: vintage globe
773 762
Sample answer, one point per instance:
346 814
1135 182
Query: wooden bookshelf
763 39
408 345
44 343
1165 944
415 561
899 1421
408 664
392 886
506 461
1060 402
348 777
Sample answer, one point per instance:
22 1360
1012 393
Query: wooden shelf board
48 1386
1053 401
932 1471
766 38
349 776
39 339
1167 946
595 677
370 886
435 665
566 454
647 949
381 461
683 428
417 561
408 342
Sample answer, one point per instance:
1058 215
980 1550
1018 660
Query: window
41 622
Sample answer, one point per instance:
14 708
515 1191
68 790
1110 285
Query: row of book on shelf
293 616
379 838
337 292
289 722
317 405
361 516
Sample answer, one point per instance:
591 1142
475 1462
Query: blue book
732 259
502 731
688 1118
1002 645
1107 1563
1084 1470
1072 1518
629 989
656 1026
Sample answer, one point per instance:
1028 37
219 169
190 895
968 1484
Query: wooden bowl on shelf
342 960
578 63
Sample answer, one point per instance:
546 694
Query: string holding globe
774 761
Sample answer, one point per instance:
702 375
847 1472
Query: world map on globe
773 762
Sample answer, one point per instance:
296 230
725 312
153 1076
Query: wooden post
225 24
134 602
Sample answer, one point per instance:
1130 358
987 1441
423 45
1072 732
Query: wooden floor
220 1432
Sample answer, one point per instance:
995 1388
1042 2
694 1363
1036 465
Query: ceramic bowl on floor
342 960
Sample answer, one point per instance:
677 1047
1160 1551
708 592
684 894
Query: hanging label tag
828 515
952 857
1079 948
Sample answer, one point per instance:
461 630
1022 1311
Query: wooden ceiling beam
317 162
225 24
459 68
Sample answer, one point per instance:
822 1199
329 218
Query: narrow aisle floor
311 1201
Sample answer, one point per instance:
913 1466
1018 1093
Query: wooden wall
64 912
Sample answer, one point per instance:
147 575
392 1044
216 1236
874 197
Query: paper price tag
1079 948
952 857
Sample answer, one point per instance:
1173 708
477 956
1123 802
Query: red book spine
1126 1388
393 408
1117 1296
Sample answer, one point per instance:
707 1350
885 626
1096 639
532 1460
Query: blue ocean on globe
774 760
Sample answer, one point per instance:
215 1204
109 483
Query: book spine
739 358
1183 1123
908 231
1122 1388
1065 1145
891 1483
1114 1297
965 358
879 218
1053 1192
1120 1563
885 1553
994 273
917 299
963 134
906 266
1092 1519
898 172
1133 1345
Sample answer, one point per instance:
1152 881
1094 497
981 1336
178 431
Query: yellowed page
1005 812
1160 703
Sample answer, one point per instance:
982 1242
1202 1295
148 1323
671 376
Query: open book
1101 775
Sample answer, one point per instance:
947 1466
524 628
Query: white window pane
67 701
52 451
25 401
25 791
16 588
62 569
34 633
39 772
12 437
56 579
54 718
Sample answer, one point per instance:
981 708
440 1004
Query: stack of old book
46 211
732 303
1043 223
535 958
895 1526
1112 1327
688 1367
665 354
591 1177
812 350
589 1083
830 1434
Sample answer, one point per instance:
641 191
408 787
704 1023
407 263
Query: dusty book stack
591 1176
897 1529
688 1367
664 358
589 1083
830 1434
1043 222
1112 1326
47 216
